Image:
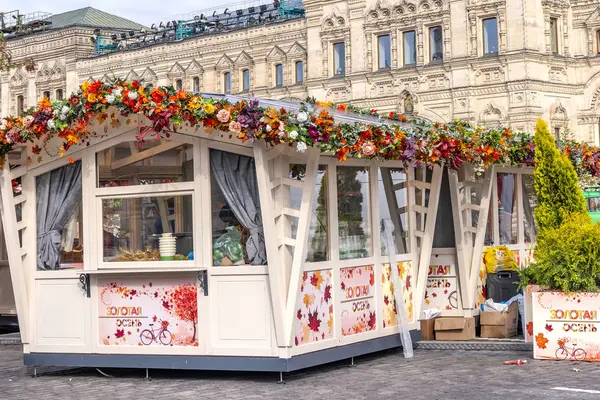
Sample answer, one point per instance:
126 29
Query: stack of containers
167 246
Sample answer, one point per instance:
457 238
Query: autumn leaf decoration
313 321
549 327
541 341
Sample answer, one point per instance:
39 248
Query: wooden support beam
17 172
144 154
288 241
286 181
390 194
463 249
427 239
270 233
292 212
15 253
420 184
476 259
301 249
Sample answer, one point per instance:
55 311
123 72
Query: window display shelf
140 270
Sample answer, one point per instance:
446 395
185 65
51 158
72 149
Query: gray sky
145 12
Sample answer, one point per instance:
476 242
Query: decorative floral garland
168 109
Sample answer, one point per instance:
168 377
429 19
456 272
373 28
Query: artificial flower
223 115
65 109
268 128
235 127
118 92
132 95
110 98
293 135
368 149
51 124
301 147
92 98
27 121
209 109
302 116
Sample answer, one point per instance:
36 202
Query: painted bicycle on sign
562 353
161 334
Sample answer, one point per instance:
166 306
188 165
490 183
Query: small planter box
566 326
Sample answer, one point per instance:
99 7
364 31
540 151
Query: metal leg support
148 375
352 365
281 381
34 372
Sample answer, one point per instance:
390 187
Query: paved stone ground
429 375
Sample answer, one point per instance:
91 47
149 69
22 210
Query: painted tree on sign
183 304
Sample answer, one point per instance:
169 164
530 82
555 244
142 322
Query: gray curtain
236 176
58 197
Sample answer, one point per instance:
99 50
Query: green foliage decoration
556 183
567 257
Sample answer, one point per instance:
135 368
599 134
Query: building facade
494 62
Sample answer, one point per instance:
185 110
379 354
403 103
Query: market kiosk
194 249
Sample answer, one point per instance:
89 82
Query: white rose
62 117
132 95
301 147
302 117
117 92
293 135
268 128
51 124
65 110
110 98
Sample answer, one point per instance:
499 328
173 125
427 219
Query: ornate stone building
493 62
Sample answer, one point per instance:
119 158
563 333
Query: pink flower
368 149
27 121
235 127
223 115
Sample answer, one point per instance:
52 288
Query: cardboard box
455 328
427 329
499 324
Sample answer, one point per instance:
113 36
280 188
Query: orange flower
342 107
541 341
71 161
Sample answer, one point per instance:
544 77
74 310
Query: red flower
136 85
74 101
120 333
313 321
327 293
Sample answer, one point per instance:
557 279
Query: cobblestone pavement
387 375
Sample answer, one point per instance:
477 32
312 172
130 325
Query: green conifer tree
555 182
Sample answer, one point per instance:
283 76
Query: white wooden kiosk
324 294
